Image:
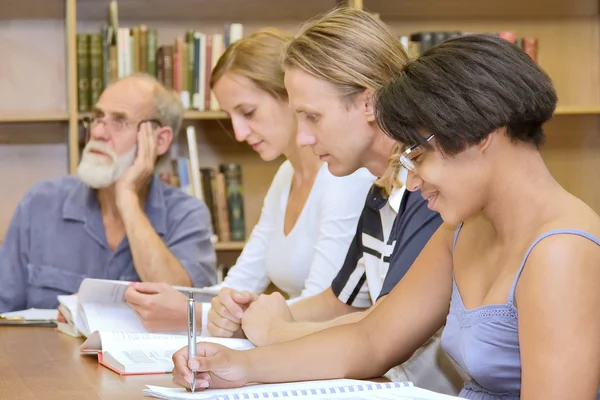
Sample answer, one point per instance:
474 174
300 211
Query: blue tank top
485 341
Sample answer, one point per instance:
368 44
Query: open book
130 353
326 389
100 305
31 316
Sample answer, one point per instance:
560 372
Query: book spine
236 32
136 49
414 45
222 214
113 62
143 48
235 200
208 72
123 51
190 67
217 51
96 68
106 37
207 176
83 72
530 46
196 73
152 42
184 175
508 35
168 66
177 56
427 41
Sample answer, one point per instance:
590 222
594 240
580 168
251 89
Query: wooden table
43 364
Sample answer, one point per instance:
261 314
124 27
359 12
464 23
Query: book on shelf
183 65
133 353
321 389
417 43
100 305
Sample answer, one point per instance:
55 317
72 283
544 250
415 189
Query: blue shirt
57 238
384 247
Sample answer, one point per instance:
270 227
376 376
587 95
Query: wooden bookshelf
40 77
33 117
229 246
61 116
199 115
477 9
189 115
577 110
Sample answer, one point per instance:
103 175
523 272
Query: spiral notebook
325 389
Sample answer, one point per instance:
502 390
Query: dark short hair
462 90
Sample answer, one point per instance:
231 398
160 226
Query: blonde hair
353 50
258 58
389 180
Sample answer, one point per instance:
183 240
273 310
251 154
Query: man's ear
368 104
164 138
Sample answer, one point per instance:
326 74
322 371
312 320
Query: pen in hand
192 333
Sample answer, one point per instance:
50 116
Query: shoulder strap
456 232
511 295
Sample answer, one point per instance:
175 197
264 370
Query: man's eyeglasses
408 155
114 125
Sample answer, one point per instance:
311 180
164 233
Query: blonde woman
333 67
309 216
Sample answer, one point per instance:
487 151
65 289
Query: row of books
184 65
418 43
221 190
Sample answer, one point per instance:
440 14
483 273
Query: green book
152 49
83 72
96 68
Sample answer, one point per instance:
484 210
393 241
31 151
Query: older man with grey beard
116 219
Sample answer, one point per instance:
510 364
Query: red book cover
530 46
209 40
177 64
510 36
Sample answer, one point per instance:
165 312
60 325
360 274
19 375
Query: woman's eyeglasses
407 157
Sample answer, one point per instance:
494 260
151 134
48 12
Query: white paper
102 291
33 314
396 393
112 317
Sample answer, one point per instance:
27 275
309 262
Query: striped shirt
389 236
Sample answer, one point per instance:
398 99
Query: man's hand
225 315
216 366
264 316
160 307
135 178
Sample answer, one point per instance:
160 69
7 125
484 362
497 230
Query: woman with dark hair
514 273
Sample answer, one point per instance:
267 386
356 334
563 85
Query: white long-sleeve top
304 262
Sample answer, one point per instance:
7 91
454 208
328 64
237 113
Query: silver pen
192 333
